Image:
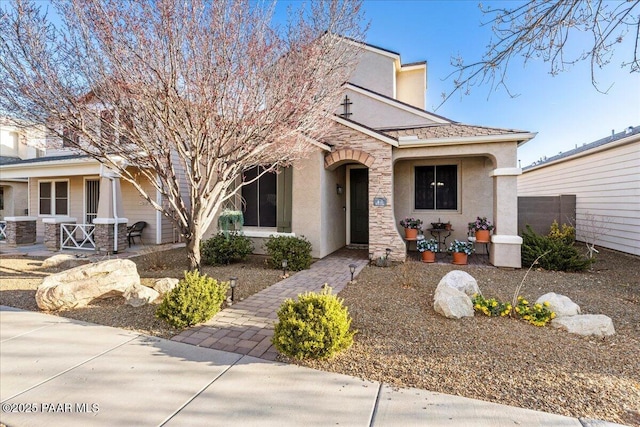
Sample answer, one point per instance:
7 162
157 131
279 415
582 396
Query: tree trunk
193 252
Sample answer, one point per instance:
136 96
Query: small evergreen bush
194 300
317 326
561 256
296 250
225 248
567 233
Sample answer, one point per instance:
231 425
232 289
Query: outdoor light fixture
285 263
233 281
339 189
352 269
388 251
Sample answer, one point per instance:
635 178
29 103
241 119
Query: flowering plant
464 247
481 224
490 307
537 314
424 245
411 222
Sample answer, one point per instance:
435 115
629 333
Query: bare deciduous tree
543 29
182 91
590 228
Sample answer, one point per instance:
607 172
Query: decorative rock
560 304
461 281
452 303
139 295
164 285
64 261
586 324
79 286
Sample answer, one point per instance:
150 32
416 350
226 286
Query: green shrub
561 256
317 326
194 300
225 248
296 250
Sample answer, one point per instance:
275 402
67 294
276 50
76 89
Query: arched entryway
355 164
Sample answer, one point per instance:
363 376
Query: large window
54 198
436 187
267 200
260 198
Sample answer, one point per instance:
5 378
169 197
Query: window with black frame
260 198
436 187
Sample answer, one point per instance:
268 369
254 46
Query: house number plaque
379 201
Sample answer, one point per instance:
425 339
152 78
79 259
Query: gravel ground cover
403 342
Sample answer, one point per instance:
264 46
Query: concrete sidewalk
56 371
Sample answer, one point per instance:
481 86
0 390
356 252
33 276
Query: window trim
438 162
284 191
53 197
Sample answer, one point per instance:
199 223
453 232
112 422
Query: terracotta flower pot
483 236
428 256
410 233
460 258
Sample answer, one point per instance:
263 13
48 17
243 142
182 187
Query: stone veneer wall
104 237
52 233
382 222
20 231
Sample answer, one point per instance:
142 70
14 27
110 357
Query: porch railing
77 236
3 233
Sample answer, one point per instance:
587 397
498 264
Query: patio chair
134 231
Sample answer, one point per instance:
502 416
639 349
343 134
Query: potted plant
461 251
411 226
482 228
428 249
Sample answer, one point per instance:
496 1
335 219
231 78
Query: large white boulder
560 304
164 285
461 281
597 325
139 295
452 303
79 286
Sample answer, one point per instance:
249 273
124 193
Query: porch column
20 230
505 242
111 226
52 231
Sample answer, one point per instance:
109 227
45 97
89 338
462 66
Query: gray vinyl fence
540 211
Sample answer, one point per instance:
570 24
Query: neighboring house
385 158
66 187
605 178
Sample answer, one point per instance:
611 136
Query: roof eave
461 140
367 131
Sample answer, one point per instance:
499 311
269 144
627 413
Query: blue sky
564 110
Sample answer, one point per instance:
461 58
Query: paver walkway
247 326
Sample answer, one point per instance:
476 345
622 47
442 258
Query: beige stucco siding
307 196
334 235
375 72
380 115
607 187
412 86
475 193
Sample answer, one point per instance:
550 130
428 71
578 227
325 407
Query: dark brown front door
359 202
